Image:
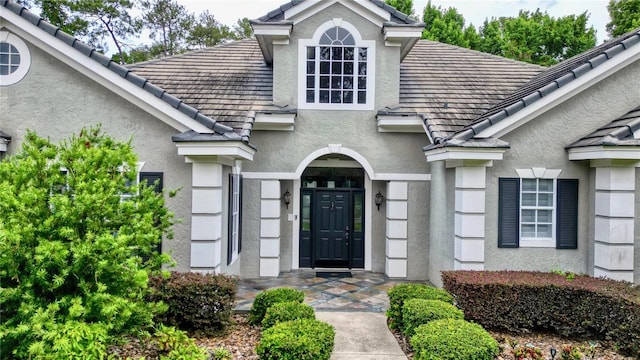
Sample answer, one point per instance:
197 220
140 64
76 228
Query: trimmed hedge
416 312
302 339
202 303
567 304
287 311
265 299
405 291
453 339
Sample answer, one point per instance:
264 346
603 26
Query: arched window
15 58
337 71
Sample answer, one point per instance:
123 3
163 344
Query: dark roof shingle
623 131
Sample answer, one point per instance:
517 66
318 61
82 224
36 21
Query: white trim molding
370 45
206 217
401 123
562 95
454 154
24 59
396 249
235 149
269 228
614 222
274 121
102 75
306 9
605 152
470 216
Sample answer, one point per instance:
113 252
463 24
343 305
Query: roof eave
269 33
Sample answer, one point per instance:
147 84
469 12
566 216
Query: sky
474 11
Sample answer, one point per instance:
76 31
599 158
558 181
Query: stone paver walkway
364 291
354 306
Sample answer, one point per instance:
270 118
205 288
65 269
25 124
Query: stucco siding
378 230
250 265
541 143
386 152
387 59
418 240
56 101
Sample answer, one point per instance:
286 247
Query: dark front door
331 228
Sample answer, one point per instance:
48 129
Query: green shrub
453 339
202 303
265 299
416 312
572 306
287 311
302 339
70 340
71 251
405 291
221 353
176 345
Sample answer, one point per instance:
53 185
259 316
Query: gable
554 87
276 27
119 79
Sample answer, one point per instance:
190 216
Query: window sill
537 243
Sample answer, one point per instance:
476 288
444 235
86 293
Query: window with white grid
537 207
15 58
338 69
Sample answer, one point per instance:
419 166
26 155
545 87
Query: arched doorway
332 214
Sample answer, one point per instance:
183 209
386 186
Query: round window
14 58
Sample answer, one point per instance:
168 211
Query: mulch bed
242 338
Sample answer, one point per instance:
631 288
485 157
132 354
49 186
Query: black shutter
567 214
230 221
240 216
509 213
153 179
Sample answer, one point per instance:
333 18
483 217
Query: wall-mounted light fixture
286 198
379 199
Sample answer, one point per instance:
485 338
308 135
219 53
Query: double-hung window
538 212
338 69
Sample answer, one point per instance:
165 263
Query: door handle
346 236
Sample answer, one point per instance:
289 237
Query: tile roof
224 132
277 15
451 86
448 85
225 82
623 131
547 82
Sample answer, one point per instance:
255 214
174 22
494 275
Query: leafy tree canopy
404 6
534 37
624 16
74 255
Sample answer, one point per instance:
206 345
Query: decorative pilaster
469 218
614 223
206 217
270 228
397 230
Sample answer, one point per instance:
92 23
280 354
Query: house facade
338 139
